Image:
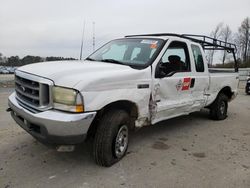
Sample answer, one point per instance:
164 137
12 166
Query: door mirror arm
160 71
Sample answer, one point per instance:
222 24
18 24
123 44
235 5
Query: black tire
218 110
106 138
247 91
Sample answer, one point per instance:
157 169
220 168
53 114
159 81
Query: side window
199 64
176 58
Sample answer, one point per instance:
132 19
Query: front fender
96 100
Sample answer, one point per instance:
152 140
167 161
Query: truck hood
88 75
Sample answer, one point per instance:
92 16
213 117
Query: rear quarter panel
220 80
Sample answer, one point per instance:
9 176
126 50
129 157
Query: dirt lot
190 151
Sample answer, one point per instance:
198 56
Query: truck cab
182 69
126 84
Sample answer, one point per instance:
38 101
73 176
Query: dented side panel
172 96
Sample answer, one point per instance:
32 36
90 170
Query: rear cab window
198 58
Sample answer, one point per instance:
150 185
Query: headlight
67 99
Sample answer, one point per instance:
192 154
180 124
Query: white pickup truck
128 83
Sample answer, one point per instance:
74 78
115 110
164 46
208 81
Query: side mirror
160 71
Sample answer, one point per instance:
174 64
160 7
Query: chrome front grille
28 90
32 91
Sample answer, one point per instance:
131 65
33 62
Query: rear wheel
218 110
247 91
111 138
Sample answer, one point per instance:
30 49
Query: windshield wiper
106 60
90 59
113 61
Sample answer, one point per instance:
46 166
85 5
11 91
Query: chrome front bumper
52 126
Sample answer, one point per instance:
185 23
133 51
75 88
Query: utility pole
83 30
93 36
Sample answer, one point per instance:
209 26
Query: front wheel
218 110
111 138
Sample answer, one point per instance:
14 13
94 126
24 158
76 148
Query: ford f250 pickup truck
128 83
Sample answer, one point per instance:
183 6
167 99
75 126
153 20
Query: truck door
200 78
171 95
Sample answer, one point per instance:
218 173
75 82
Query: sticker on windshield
149 42
153 46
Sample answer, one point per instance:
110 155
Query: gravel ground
6 81
189 151
4 77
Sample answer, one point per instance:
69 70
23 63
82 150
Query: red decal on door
186 84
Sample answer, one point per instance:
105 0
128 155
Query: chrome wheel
121 141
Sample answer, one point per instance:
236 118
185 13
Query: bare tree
238 44
248 52
226 35
1 57
244 38
216 34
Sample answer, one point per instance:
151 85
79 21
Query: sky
54 27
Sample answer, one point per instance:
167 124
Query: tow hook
8 110
65 148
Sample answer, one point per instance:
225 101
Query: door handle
192 82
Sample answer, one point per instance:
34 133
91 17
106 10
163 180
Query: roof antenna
93 36
83 30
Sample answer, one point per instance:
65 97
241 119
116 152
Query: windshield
128 51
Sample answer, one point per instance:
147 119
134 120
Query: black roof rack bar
208 43
156 35
212 42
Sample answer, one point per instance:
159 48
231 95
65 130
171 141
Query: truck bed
221 70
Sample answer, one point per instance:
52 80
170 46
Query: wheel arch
226 91
130 107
